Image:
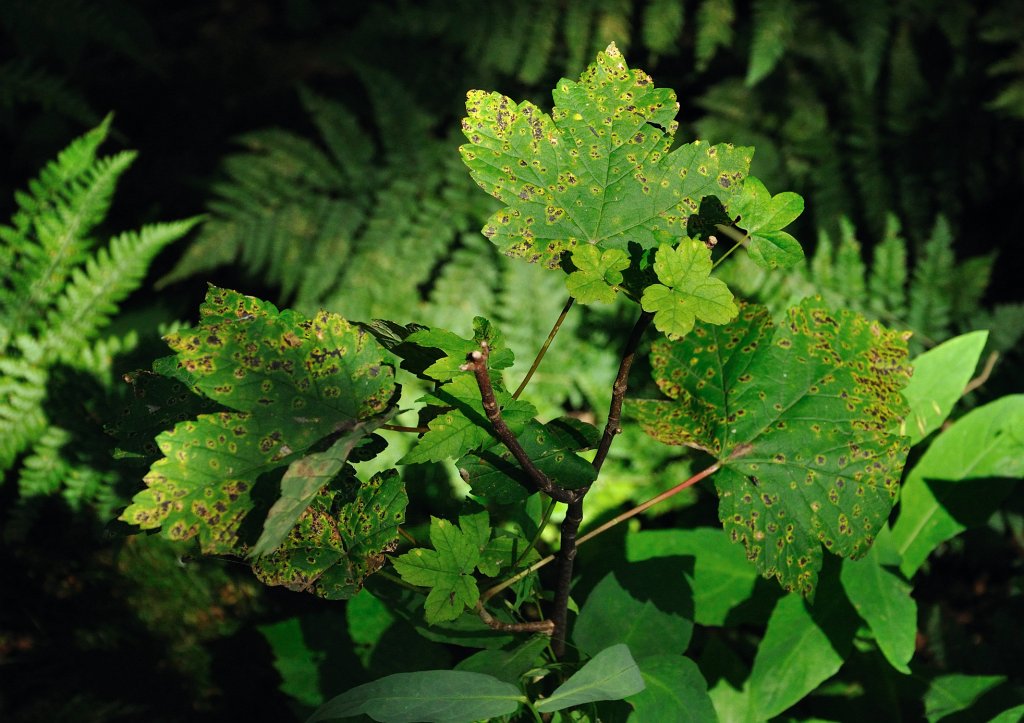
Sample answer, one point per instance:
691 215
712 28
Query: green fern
60 289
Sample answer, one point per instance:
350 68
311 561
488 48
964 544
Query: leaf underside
799 418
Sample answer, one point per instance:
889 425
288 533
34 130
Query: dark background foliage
913 109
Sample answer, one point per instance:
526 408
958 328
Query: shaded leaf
773 26
648 620
686 291
451 696
304 479
610 675
882 598
464 427
507 665
799 419
598 170
722 576
940 375
676 691
495 474
340 538
952 693
957 467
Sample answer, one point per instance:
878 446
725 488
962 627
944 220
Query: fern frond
662 25
24 83
887 280
92 296
22 390
774 21
931 286
715 20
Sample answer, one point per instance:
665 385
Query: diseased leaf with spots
599 170
304 479
597 274
456 348
341 537
763 217
800 419
463 426
448 569
294 382
494 473
687 291
252 358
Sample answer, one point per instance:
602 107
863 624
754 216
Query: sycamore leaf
763 216
598 170
293 381
303 481
448 568
494 473
336 544
800 419
464 427
456 348
597 274
686 292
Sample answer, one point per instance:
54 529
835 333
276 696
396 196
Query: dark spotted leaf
295 382
341 537
799 418
304 479
598 170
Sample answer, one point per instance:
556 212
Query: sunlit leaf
597 273
686 291
598 170
799 418
763 217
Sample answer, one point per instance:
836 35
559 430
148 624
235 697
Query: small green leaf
464 427
950 694
676 691
954 477
495 474
722 575
445 696
882 598
647 617
940 375
448 568
763 217
598 274
610 675
456 348
686 292
800 421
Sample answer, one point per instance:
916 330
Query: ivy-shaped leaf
448 568
687 291
763 216
494 473
597 274
337 544
799 418
598 170
293 381
464 427
456 348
